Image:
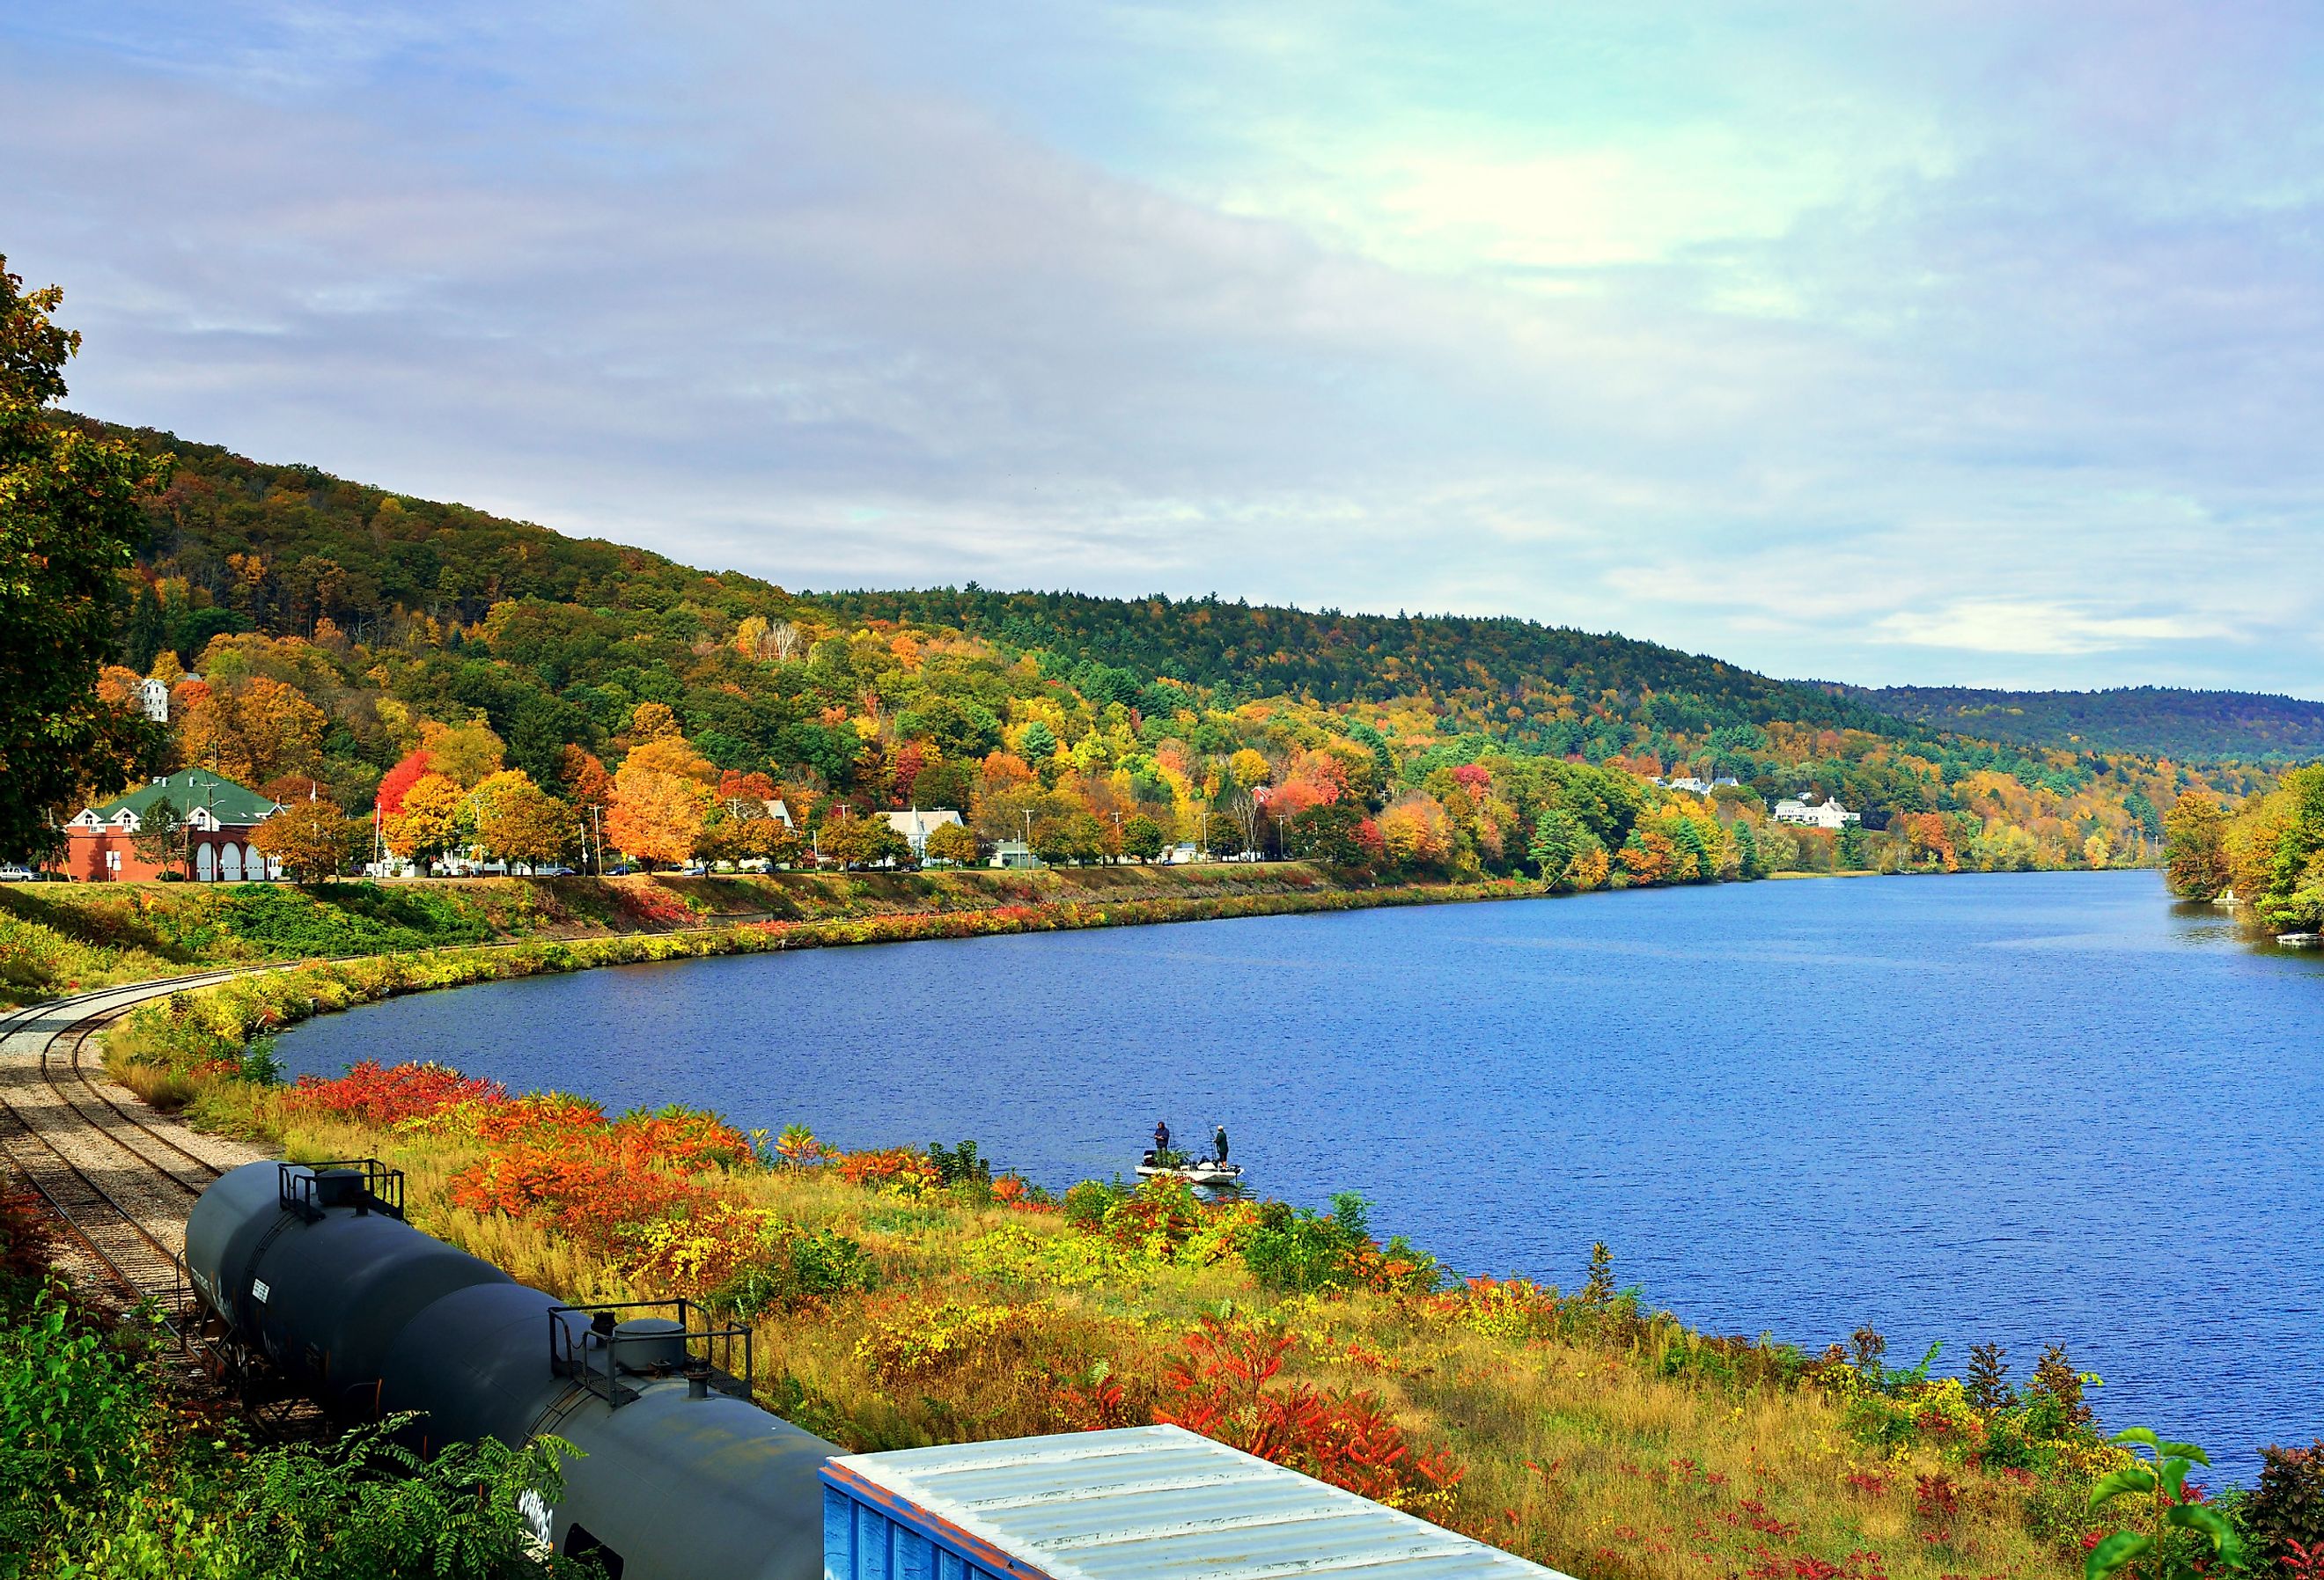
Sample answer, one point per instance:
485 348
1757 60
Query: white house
1827 814
153 697
1690 785
1014 852
916 825
780 812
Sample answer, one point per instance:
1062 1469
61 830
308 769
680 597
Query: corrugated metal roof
1163 1504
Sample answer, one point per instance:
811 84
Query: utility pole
599 870
1202 833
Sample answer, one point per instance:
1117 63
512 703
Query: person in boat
1161 1136
1219 1145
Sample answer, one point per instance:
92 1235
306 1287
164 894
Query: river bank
1797 1108
914 1297
157 1051
62 938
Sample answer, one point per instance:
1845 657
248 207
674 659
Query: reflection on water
1943 1105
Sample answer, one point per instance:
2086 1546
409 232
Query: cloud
2036 628
1986 340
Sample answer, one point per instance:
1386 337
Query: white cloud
1868 358
2034 627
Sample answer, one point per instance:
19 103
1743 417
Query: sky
1960 342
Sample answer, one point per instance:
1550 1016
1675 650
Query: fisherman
1219 1145
1161 1136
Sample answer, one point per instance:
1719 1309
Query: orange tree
312 839
662 798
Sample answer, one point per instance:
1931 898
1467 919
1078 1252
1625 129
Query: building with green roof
214 818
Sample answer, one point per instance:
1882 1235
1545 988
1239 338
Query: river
2020 1108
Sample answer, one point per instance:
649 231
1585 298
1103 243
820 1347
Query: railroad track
120 1184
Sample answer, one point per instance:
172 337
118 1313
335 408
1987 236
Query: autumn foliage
551 1160
1227 1385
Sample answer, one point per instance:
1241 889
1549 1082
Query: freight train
311 1269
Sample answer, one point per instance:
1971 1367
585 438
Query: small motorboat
1199 1171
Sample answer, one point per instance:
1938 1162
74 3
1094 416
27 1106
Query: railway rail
119 1184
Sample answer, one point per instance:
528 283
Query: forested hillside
374 644
2160 721
2268 853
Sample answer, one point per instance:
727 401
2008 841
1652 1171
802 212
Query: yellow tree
955 844
428 822
310 839
520 822
467 754
2194 847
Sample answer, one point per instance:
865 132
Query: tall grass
1587 1433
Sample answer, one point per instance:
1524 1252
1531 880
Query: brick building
214 842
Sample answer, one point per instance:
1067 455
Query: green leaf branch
2161 1478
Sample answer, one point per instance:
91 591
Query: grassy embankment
903 1299
59 939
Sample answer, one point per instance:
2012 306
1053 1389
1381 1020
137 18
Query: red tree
909 759
399 780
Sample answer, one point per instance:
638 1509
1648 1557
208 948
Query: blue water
2022 1108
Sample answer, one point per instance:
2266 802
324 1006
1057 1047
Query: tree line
329 643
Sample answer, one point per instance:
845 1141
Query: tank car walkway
120 1176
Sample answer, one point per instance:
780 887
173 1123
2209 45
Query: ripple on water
1937 1107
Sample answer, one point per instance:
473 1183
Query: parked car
552 872
696 870
12 874
620 870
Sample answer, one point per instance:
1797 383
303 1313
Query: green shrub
1300 1252
101 1474
74 1408
1088 1202
960 1165
803 1265
349 918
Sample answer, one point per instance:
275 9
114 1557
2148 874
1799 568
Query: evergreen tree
148 632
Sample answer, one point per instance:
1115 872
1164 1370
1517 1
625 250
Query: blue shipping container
1140 1503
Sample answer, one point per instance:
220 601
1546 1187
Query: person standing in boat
1161 1136
1219 1145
